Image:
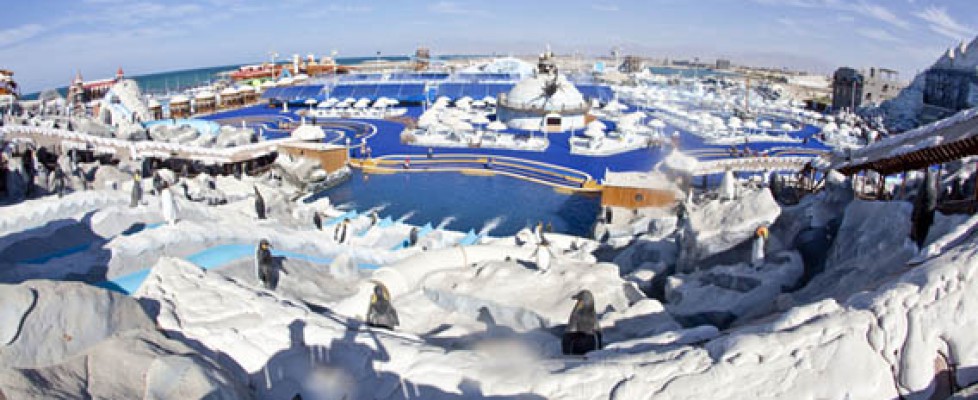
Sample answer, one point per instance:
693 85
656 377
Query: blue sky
44 42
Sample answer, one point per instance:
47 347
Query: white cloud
940 22
881 35
19 34
861 7
881 13
453 7
348 8
605 7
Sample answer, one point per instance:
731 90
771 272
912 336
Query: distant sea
175 81
690 72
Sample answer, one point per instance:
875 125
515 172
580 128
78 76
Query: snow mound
720 225
72 338
873 243
728 293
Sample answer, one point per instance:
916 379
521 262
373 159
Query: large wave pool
462 202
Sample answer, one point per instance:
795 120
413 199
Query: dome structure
546 101
307 132
531 93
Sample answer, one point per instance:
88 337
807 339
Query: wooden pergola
966 145
918 159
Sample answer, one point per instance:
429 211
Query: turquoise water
214 257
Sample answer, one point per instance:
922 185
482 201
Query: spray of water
378 209
445 222
346 206
491 224
406 216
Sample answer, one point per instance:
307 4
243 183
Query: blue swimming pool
463 202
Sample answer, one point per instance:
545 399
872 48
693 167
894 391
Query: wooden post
903 184
975 202
881 187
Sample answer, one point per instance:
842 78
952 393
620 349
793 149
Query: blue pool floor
212 258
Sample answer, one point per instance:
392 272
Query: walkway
480 164
752 164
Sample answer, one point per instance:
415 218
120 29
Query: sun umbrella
479 119
496 126
735 122
462 126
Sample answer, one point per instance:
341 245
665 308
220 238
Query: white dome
528 94
309 132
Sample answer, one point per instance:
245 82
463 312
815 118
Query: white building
546 101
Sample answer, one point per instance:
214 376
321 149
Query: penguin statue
538 233
381 313
27 168
339 233
58 181
137 192
413 237
924 206
264 263
583 334
168 205
41 177
317 220
259 204
757 249
543 257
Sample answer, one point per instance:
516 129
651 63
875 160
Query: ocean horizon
179 80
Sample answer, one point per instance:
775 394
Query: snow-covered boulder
65 339
873 242
719 225
728 293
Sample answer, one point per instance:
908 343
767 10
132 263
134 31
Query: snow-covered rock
720 225
728 293
873 243
65 339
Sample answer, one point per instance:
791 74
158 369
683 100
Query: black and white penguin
583 334
264 263
137 192
339 233
317 220
158 183
259 204
59 186
381 313
373 218
413 236
924 206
